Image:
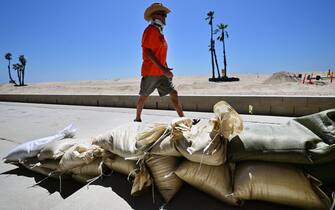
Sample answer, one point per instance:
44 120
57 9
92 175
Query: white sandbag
55 150
32 148
120 165
201 144
214 180
79 155
162 169
121 140
278 183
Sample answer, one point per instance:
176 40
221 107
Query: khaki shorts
150 83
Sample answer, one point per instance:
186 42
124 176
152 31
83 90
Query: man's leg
140 104
176 104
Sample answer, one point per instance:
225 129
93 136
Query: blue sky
101 40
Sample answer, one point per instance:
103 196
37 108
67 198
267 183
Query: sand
281 83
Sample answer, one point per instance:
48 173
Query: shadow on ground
187 198
69 186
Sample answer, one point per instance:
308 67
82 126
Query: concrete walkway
20 122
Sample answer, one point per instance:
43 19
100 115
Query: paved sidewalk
20 122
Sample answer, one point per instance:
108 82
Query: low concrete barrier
262 105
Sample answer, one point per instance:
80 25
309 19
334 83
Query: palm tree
18 68
210 17
223 27
23 62
8 56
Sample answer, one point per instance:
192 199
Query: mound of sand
281 77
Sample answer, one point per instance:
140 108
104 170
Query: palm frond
22 60
210 14
8 56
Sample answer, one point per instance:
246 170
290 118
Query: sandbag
92 169
206 142
83 179
142 181
55 150
166 147
227 122
162 169
201 144
324 172
32 148
151 134
121 140
79 155
322 124
120 165
46 168
278 183
214 180
289 143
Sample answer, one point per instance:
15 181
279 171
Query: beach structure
311 79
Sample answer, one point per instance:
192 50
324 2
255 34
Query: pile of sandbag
221 156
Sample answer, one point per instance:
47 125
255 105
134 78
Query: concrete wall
262 105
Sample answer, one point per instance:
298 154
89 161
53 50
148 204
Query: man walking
155 72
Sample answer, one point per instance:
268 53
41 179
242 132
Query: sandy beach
280 84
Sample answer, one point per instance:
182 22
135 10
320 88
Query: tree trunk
10 76
224 59
18 76
217 65
24 68
212 50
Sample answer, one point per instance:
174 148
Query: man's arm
153 58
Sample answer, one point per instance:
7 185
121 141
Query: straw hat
155 7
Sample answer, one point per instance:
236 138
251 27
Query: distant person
155 72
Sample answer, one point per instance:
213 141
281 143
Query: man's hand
167 72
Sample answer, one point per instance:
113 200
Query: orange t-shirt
155 41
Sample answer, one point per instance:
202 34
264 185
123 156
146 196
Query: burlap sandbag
121 140
92 169
46 168
81 178
165 147
227 122
162 169
324 172
290 143
151 134
206 141
56 149
142 181
120 165
201 144
322 124
79 155
214 180
278 183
